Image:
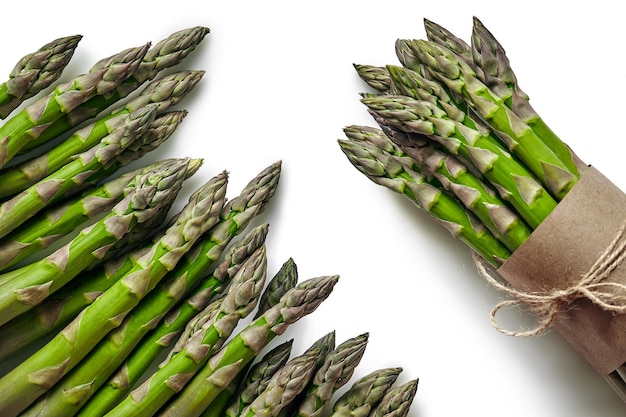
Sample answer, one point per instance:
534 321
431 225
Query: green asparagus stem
285 279
162 93
334 373
73 391
519 138
203 336
35 72
442 36
255 381
61 307
511 179
157 340
365 394
239 392
397 401
375 77
321 347
43 193
223 367
396 174
33 377
166 53
34 119
284 386
496 72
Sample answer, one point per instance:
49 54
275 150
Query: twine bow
610 296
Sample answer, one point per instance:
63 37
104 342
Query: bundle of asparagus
457 136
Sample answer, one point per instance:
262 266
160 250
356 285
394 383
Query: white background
280 85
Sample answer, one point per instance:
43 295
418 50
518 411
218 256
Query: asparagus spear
397 401
164 54
285 279
35 72
61 307
204 335
322 347
520 139
496 72
284 386
396 174
365 394
255 382
510 178
442 36
375 77
334 373
223 367
244 387
163 93
34 119
157 340
43 193
33 377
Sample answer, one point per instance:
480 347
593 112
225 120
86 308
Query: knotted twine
610 296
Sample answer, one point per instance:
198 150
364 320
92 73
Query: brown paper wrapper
561 250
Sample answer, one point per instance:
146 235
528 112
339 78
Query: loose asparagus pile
110 304
457 136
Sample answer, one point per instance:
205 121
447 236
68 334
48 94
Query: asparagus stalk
397 401
165 54
43 193
203 336
496 72
520 139
160 338
61 307
284 280
375 77
365 394
33 377
223 367
241 391
511 179
162 93
73 391
34 119
442 36
334 373
284 386
35 72
322 347
396 174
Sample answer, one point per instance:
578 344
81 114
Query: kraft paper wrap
561 250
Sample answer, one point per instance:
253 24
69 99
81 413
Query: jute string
610 296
